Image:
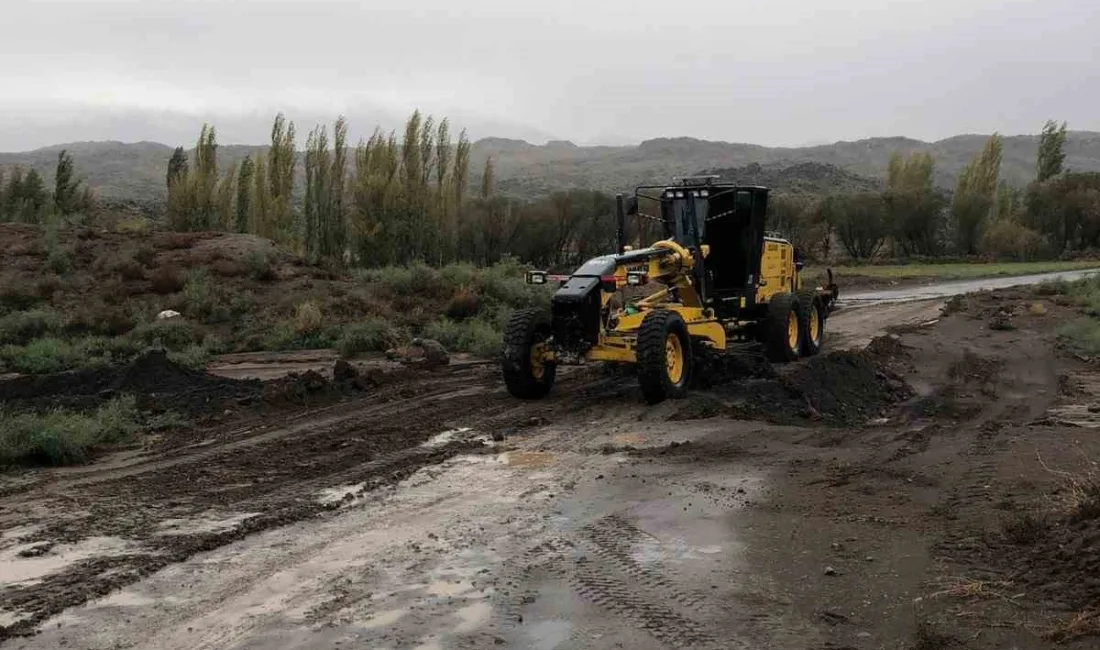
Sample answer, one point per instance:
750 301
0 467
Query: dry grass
969 589
1081 624
1080 495
308 318
1037 309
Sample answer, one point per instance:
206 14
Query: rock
344 372
168 313
830 571
498 436
434 352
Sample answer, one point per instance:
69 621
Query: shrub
61 438
173 334
370 335
41 356
166 280
284 336
474 336
193 356
197 294
459 274
20 328
59 262
16 297
260 266
1008 239
308 317
464 304
417 279
1083 335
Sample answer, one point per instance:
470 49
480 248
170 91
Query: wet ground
867 500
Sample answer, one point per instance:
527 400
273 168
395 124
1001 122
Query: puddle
15 569
341 492
171 527
528 459
441 439
11 618
472 617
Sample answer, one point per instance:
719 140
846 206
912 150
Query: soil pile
158 383
841 388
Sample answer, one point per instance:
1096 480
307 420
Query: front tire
526 374
664 356
812 323
783 328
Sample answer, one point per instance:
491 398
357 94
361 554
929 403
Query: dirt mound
158 383
846 387
840 388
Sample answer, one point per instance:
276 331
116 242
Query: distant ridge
135 171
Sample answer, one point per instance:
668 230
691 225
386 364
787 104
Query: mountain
135 172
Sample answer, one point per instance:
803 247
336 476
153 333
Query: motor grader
721 286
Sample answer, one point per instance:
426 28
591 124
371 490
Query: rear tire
812 316
524 375
783 328
664 356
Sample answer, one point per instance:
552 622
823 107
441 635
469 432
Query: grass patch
958 271
1083 335
64 438
284 336
474 336
370 335
20 328
171 334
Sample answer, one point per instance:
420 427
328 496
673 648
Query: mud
158 384
814 505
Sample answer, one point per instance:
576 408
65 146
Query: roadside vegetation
1082 334
959 270
60 437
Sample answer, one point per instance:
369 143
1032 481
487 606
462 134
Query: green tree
487 179
1052 143
975 195
66 193
912 205
317 191
34 199
177 167
281 158
861 221
244 195
336 233
226 194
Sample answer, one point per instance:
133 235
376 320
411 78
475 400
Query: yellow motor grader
723 286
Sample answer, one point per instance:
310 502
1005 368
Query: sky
770 72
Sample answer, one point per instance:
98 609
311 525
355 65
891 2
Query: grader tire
783 328
525 375
664 356
812 323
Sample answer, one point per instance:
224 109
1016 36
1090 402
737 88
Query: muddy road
853 501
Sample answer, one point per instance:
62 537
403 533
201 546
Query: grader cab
720 285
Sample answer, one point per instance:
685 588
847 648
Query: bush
459 274
474 336
193 356
1008 239
197 294
1083 335
505 283
59 262
20 328
370 335
308 317
61 438
416 279
260 266
173 334
42 356
166 280
464 304
284 336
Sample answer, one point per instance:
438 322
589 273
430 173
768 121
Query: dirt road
437 512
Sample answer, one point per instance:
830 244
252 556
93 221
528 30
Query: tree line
25 197
388 200
1057 213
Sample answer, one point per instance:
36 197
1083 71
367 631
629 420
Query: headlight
536 277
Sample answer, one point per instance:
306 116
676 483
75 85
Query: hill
135 172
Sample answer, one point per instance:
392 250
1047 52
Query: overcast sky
774 72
